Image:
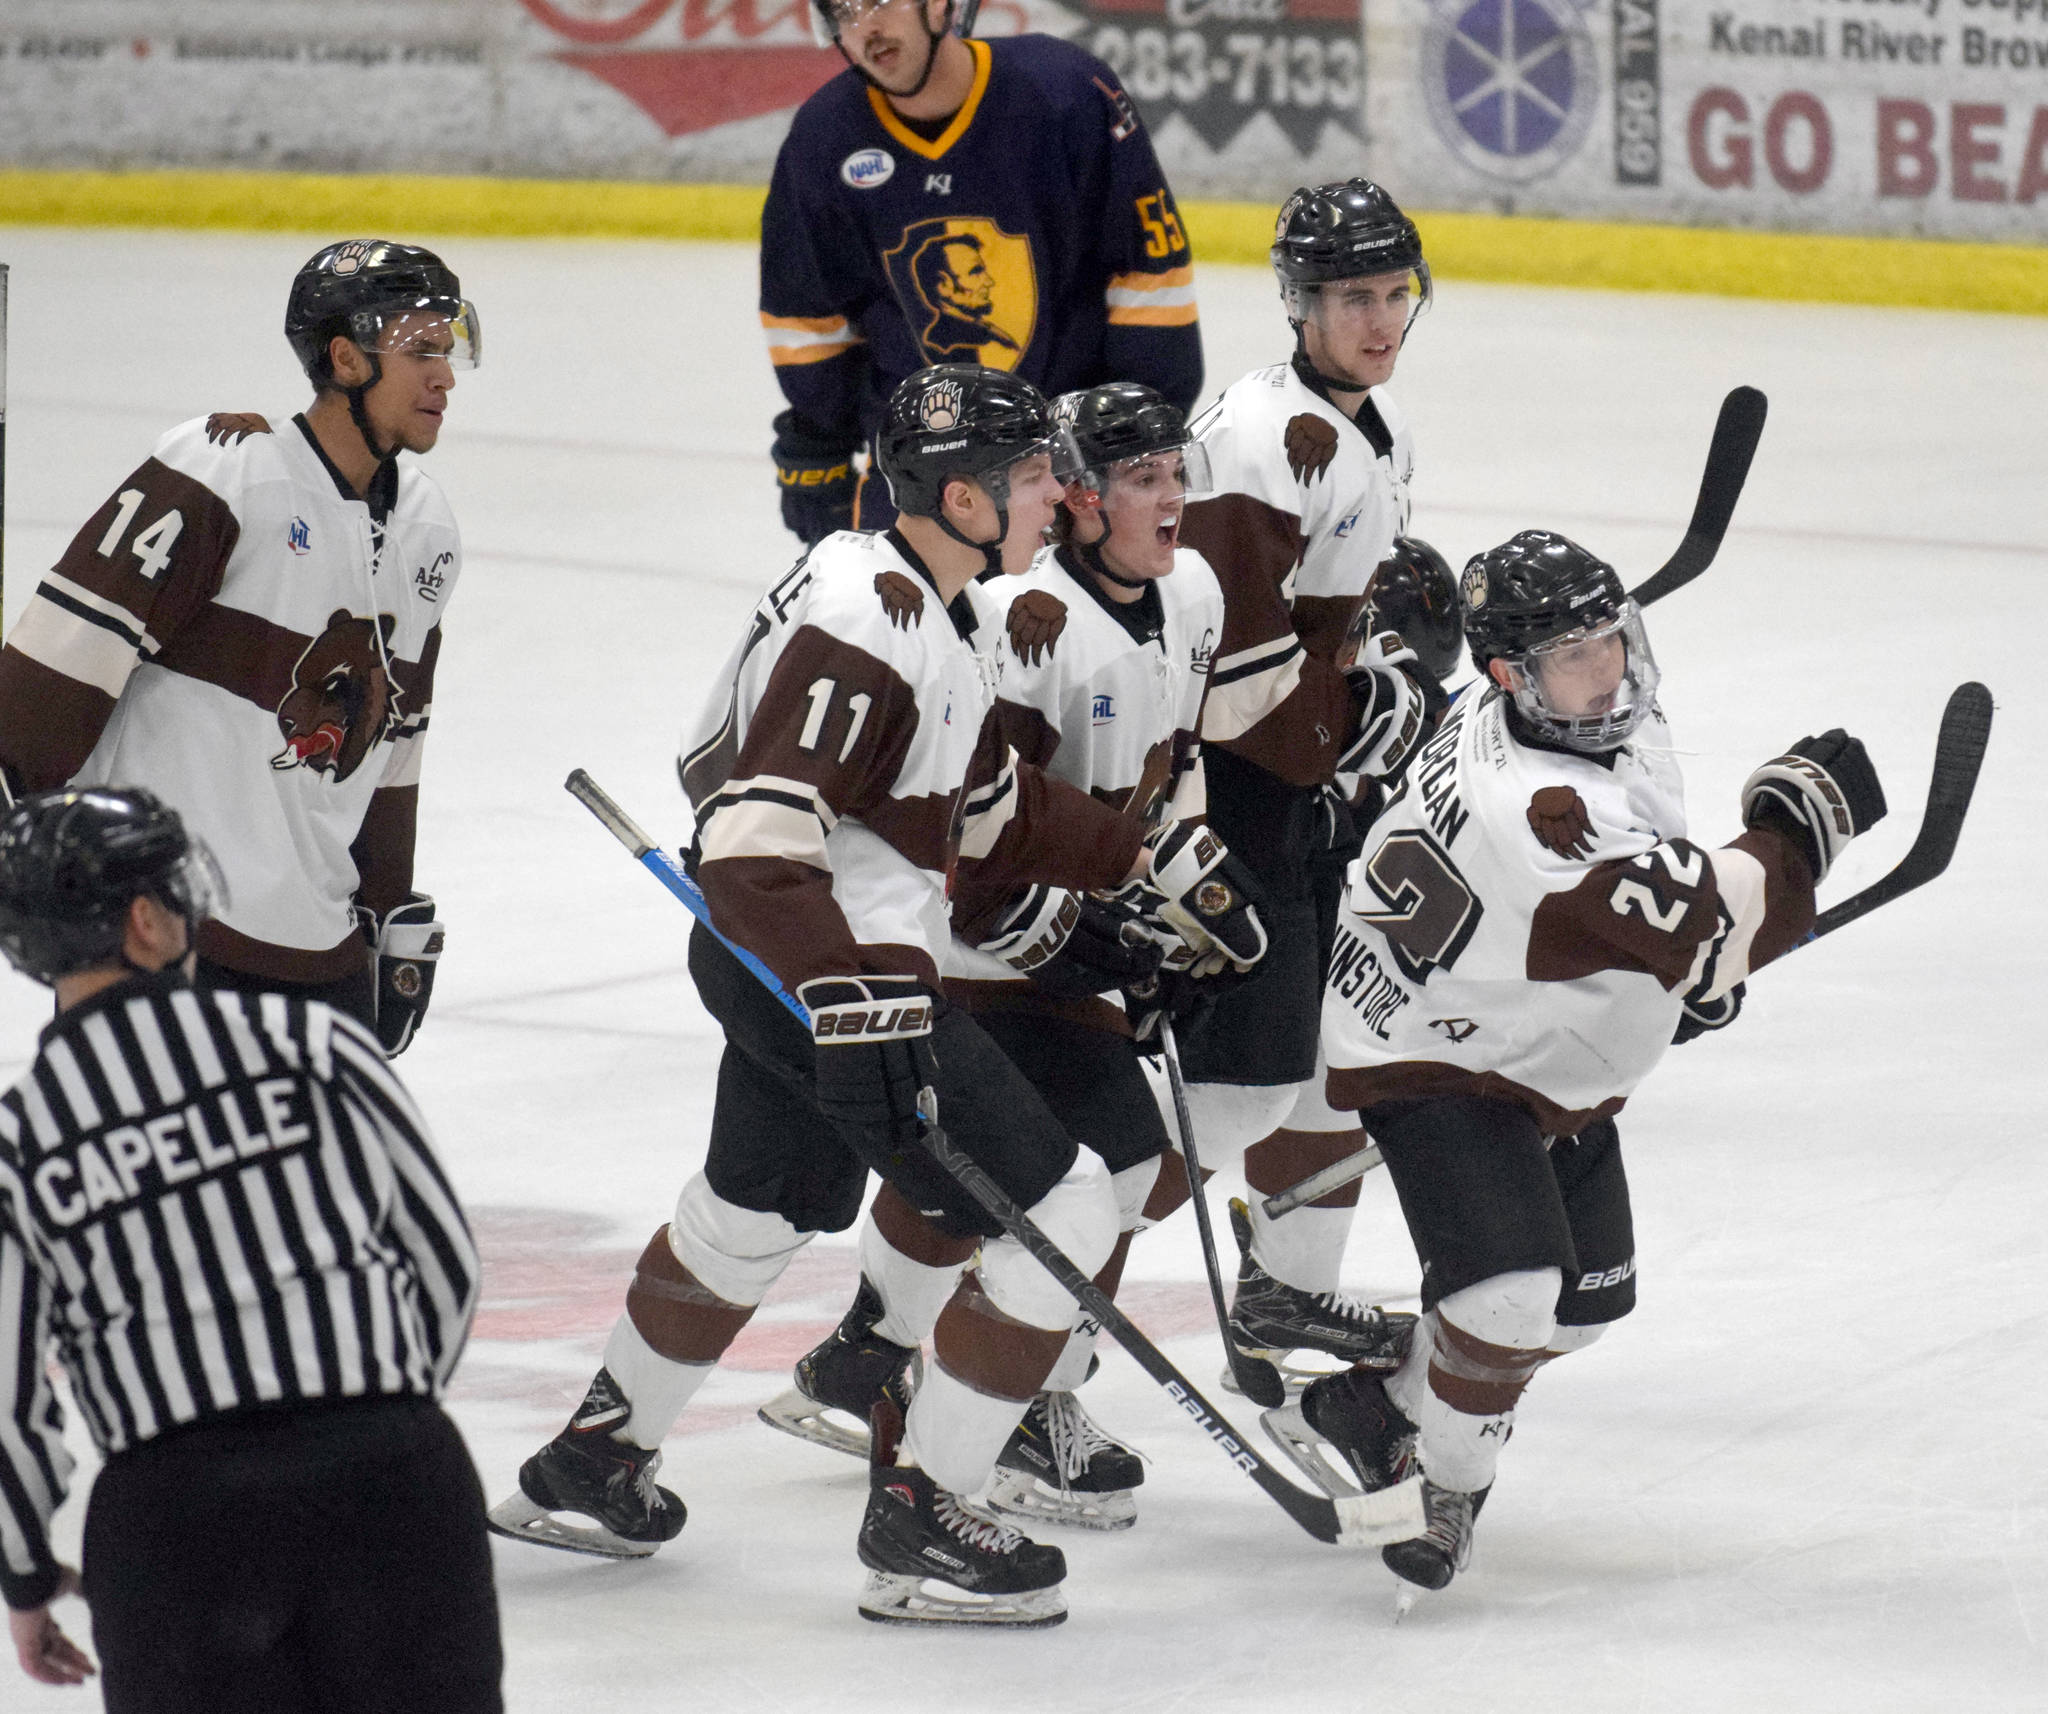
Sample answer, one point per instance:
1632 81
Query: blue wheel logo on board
1511 84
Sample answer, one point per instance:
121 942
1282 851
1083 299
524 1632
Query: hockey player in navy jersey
946 201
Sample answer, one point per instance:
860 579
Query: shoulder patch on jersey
1558 818
1123 117
1036 620
231 428
902 599
1311 445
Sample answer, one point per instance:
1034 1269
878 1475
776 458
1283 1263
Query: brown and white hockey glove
1206 896
1820 794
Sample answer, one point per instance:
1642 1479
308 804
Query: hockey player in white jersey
1108 638
249 628
1311 462
846 774
1526 930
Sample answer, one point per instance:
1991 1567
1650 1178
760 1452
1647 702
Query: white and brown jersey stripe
237 631
847 767
1307 503
209 1203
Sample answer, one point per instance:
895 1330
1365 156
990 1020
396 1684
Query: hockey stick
1352 1520
1736 431
1256 1378
1958 754
1319 1184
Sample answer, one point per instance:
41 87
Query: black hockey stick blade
1958 754
1736 431
1353 1520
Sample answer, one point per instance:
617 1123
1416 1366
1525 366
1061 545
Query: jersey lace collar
383 494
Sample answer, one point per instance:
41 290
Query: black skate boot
1062 1469
844 1376
1432 1559
586 1470
933 1560
1271 1319
1379 1491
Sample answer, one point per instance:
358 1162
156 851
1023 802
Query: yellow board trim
1814 268
952 134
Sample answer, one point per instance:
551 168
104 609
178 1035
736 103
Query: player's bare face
1034 494
890 40
1583 678
1142 504
407 404
1353 333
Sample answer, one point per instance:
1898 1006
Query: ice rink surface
1806 1474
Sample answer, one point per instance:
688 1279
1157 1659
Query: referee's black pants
327 1559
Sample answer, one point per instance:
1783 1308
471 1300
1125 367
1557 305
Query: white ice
1806 1474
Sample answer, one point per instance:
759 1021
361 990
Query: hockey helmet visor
1588 689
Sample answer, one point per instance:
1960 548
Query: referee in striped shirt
224 1213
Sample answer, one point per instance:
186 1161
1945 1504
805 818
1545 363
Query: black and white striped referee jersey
209 1202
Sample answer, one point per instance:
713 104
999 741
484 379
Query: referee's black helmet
71 863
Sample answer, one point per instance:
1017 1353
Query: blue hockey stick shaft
673 876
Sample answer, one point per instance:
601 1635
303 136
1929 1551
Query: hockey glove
874 1040
1206 896
1820 794
817 480
1074 946
1395 711
408 941
1699 1016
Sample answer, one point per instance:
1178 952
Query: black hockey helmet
71 862
354 288
1412 591
1343 232
957 420
1122 420
1536 597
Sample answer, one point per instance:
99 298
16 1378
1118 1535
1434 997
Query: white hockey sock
912 1292
1486 1340
1070 1367
1304 1249
954 1433
1229 1117
656 1387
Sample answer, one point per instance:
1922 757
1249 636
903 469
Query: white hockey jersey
237 632
1524 923
1307 503
1110 712
847 762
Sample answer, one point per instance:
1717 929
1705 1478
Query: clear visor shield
830 17
458 339
1411 294
1063 461
1176 472
1590 689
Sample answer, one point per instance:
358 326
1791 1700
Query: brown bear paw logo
1036 621
1311 445
902 599
1558 818
231 428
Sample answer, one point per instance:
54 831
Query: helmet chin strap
931 62
1090 555
360 416
990 551
1305 366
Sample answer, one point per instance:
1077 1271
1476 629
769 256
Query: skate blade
1405 1595
894 1599
1298 1368
519 1519
1024 1496
797 1414
1363 1520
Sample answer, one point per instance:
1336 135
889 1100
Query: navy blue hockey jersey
1035 234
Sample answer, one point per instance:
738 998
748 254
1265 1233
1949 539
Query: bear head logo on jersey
342 700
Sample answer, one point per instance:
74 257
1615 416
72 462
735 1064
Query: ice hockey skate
585 1471
1277 1322
838 1382
1433 1558
1061 1468
934 1560
1373 1443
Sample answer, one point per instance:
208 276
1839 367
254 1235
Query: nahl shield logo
939 408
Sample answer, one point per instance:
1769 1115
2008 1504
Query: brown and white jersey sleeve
1524 923
1307 503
